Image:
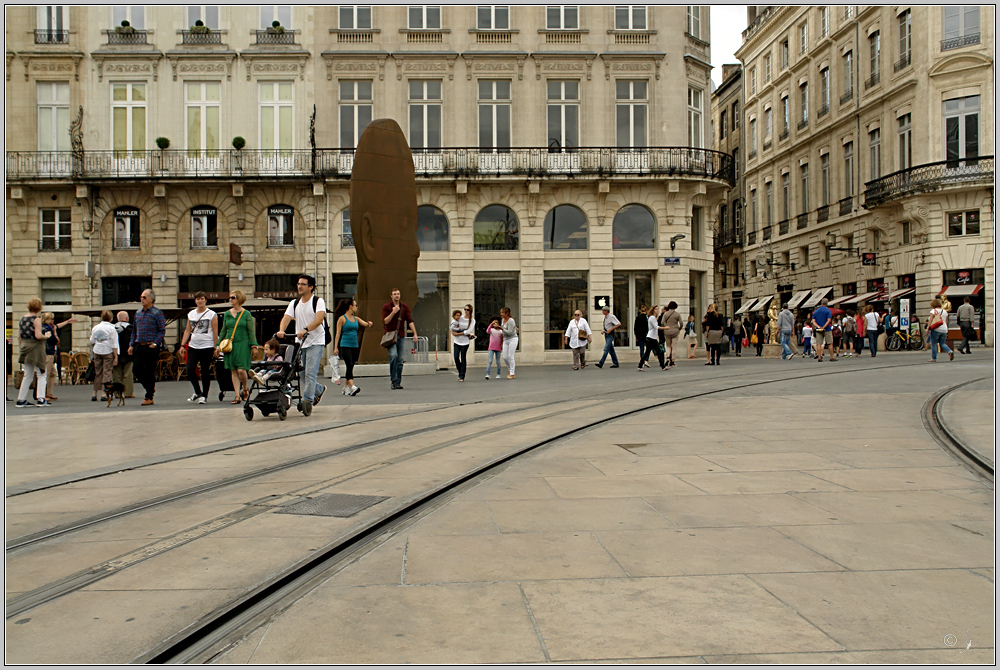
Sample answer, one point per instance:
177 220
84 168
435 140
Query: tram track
930 414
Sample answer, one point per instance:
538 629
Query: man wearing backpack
309 313
850 330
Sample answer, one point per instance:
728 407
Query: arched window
495 229
565 228
432 229
634 228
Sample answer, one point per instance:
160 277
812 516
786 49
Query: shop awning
900 292
861 296
837 301
797 298
762 303
961 290
747 306
817 295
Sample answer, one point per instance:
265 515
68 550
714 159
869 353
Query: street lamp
673 240
831 240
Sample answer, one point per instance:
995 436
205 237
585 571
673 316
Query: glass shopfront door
630 291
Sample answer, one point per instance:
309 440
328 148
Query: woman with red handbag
937 331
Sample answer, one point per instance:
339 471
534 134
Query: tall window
874 54
824 174
202 99
753 136
630 112
804 187
563 114
784 54
768 203
804 101
492 17
56 228
271 13
135 15
753 209
905 144
53 23
694 117
562 17
848 59
424 17
736 163
736 114
903 23
767 124
767 68
753 80
275 115
849 169
355 17
53 116
696 229
355 111
128 118
848 12
495 229
784 115
824 89
494 113
425 114
824 21
961 129
633 228
630 17
874 154
960 22
963 223
207 14
694 21
785 196
723 123
803 38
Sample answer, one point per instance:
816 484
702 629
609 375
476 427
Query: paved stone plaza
777 512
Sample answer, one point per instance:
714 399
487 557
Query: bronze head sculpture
383 225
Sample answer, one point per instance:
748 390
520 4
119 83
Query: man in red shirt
395 317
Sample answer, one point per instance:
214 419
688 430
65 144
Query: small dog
115 390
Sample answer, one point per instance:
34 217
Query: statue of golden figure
772 322
384 226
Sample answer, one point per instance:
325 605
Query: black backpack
326 326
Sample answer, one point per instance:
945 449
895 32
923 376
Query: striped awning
899 293
961 290
817 295
797 298
837 301
762 303
861 296
747 306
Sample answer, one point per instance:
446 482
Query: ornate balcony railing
848 94
802 221
872 80
929 177
822 111
64 243
803 123
51 36
783 227
126 37
956 42
274 37
192 37
901 63
752 237
783 135
337 163
729 236
823 213
846 205
767 232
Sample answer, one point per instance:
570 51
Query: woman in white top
104 340
653 339
463 329
937 331
577 339
509 328
871 329
202 330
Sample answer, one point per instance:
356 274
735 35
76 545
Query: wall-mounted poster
204 227
280 226
126 228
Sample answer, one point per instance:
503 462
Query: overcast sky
728 24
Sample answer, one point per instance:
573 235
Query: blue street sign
671 261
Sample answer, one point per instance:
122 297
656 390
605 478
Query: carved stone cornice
196 64
563 64
353 63
425 64
494 63
48 62
272 63
637 64
146 63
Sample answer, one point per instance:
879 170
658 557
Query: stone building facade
868 135
730 231
562 155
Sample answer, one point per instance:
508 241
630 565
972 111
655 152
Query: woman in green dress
238 359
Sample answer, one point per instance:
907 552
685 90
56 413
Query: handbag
89 374
753 339
389 339
746 342
226 345
936 321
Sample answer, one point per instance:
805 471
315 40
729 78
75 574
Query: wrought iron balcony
901 63
929 177
51 36
126 36
337 163
872 80
752 237
767 232
783 135
64 243
822 111
846 205
848 94
956 42
201 37
729 236
803 123
823 213
783 227
802 221
272 36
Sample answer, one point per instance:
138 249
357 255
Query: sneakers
487 377
23 403
254 375
356 390
599 365
318 394
202 400
43 403
307 407
510 376
497 377
951 357
147 401
612 367
345 390
195 397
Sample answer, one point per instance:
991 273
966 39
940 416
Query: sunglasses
232 297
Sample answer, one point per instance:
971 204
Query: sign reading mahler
126 228
279 226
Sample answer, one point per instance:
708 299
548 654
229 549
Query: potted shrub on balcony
199 28
162 143
238 144
125 29
276 28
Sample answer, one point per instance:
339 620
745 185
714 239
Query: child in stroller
276 383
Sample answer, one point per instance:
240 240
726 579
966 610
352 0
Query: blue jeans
609 348
396 361
939 339
490 357
872 341
311 357
786 351
641 342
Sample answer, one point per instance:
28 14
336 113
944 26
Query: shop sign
868 259
671 261
602 301
276 295
906 281
737 294
126 228
964 277
904 315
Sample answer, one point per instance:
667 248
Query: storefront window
634 228
565 227
204 227
495 229
432 313
280 226
126 221
123 289
565 292
432 230
493 291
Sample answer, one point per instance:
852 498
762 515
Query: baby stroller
281 389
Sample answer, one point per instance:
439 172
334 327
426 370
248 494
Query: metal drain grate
333 504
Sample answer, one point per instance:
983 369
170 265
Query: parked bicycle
902 341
